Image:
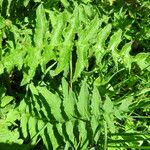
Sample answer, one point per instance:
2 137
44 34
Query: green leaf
33 54
83 101
111 2
108 105
140 59
91 30
83 18
125 103
13 115
26 2
81 60
52 139
6 100
24 125
57 30
96 103
32 123
85 37
37 1
67 45
113 44
68 102
70 131
65 3
7 136
86 1
108 108
2 23
115 40
95 124
83 137
121 110
52 102
143 91
125 54
99 47
33 89
41 26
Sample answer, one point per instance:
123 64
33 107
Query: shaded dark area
11 82
14 146
91 63
16 10
39 146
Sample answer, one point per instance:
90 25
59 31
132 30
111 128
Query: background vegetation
74 74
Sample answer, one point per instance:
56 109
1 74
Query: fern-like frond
67 120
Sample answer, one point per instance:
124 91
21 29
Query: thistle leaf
113 44
96 103
125 54
41 26
83 101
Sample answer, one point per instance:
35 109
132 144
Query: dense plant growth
75 74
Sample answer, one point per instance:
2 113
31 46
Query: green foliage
75 74
72 120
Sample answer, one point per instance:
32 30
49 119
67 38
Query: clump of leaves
72 74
